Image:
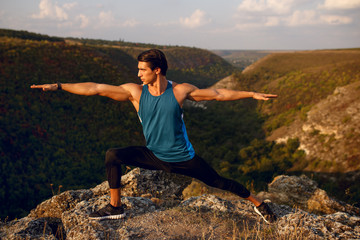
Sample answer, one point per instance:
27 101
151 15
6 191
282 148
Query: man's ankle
116 205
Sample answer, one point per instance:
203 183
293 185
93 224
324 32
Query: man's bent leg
115 158
138 156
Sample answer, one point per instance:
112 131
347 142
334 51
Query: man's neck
158 87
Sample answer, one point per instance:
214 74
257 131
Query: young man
158 103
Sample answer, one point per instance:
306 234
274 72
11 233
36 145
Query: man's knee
218 183
111 156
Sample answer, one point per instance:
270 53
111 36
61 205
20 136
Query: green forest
55 141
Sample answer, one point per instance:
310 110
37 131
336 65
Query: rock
148 183
334 226
78 226
303 192
158 184
208 203
292 222
58 204
330 133
66 214
206 216
33 228
101 189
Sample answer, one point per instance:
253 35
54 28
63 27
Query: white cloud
252 6
306 17
340 4
291 13
84 20
197 19
69 6
106 19
311 17
51 10
130 23
272 21
335 20
275 6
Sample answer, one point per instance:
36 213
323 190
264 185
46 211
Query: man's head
155 59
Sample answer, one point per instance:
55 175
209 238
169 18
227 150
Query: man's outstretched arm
196 94
119 93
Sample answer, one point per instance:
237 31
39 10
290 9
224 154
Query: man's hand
47 87
263 96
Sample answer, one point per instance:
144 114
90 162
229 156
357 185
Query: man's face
146 74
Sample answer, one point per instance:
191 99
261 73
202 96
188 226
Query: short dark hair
155 58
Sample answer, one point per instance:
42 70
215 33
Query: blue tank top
163 126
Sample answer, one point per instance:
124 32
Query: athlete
158 103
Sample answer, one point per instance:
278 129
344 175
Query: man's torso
163 125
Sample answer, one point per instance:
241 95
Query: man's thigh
139 156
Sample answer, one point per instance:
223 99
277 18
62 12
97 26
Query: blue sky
210 24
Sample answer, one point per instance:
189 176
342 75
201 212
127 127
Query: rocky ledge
155 210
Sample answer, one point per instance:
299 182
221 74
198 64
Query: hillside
51 142
303 80
318 104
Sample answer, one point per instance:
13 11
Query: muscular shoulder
134 89
184 88
132 86
182 91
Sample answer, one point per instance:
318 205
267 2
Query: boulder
58 204
302 192
158 184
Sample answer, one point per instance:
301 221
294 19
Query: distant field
243 58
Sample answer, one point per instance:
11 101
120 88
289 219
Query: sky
207 24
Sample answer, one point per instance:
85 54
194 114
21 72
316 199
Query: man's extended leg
199 169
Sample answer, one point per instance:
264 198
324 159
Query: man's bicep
118 93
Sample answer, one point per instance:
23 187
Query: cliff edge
155 210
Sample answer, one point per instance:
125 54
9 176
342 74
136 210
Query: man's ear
157 70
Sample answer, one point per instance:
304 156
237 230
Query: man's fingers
271 96
44 87
263 96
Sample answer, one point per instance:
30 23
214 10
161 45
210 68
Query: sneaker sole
259 213
111 217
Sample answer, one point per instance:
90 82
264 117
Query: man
158 103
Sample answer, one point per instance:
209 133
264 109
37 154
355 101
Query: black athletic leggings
141 156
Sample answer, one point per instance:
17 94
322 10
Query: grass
301 79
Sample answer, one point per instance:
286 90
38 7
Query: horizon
258 50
